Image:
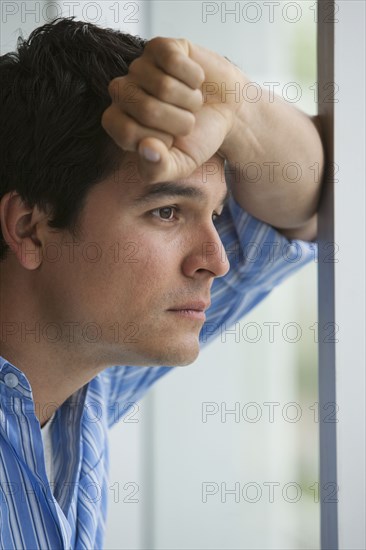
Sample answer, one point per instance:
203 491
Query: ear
20 226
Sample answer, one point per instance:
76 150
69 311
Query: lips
192 306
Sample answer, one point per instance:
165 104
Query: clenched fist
169 107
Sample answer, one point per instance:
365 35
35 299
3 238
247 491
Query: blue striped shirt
72 513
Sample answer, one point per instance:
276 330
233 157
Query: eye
165 212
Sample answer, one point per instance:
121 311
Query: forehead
211 172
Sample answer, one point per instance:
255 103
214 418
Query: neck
54 369
52 381
52 353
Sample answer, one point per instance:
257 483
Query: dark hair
53 148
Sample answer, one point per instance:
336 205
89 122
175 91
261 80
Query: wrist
241 139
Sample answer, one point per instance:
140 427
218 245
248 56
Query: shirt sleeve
260 258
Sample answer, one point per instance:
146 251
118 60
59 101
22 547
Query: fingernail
150 155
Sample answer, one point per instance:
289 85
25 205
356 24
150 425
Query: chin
157 350
175 355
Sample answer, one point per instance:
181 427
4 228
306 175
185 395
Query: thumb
153 159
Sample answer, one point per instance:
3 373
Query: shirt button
11 380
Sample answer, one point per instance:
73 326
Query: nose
207 254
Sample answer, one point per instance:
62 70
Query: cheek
148 269
143 262
138 264
155 274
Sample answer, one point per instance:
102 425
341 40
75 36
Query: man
116 227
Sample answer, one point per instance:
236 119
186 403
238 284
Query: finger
126 132
172 56
157 83
123 90
153 113
171 165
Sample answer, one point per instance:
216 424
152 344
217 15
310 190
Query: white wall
350 275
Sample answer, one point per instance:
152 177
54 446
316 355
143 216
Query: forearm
275 157
273 149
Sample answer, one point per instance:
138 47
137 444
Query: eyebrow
172 189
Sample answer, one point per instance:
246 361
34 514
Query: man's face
138 260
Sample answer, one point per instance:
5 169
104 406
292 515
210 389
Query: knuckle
156 42
108 118
114 88
147 111
185 44
128 134
165 88
104 120
131 93
188 43
135 65
171 60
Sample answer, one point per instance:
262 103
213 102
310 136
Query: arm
181 115
277 158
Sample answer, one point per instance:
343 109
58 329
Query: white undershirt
47 444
